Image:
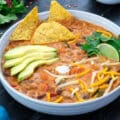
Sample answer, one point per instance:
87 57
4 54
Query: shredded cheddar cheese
83 85
104 86
105 33
82 73
112 75
91 90
99 76
112 72
48 96
100 73
78 97
78 65
105 79
58 100
105 69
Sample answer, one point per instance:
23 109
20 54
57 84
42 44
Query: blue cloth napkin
3 114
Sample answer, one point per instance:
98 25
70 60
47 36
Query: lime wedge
108 51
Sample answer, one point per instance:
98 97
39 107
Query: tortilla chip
58 13
26 27
51 32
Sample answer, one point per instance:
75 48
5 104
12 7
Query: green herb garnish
9 10
97 38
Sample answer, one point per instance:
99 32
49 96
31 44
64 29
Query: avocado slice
22 50
16 61
28 71
15 70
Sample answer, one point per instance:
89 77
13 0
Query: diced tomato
52 94
13 85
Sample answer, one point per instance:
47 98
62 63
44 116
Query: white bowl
65 108
109 2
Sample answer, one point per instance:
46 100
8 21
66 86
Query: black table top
19 112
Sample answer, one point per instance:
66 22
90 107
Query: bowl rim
5 83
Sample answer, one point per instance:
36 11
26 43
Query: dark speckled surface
110 112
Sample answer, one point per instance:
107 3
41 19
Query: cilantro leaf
115 42
90 49
91 44
92 40
97 38
2 2
7 13
7 18
18 7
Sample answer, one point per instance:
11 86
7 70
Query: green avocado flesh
42 56
16 69
22 50
24 59
28 71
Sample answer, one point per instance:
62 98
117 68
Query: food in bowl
65 61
